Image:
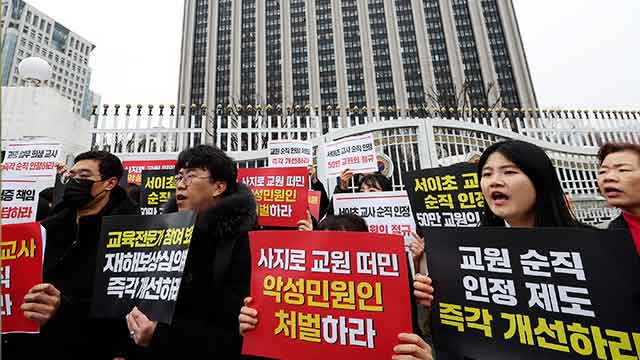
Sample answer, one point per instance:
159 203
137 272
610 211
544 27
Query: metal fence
420 139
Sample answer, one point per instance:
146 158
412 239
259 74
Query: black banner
446 196
505 293
140 263
156 189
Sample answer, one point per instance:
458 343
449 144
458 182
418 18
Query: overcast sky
581 53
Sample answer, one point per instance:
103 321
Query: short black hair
376 180
110 165
208 157
347 222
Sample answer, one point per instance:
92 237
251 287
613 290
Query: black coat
324 198
70 265
619 223
216 280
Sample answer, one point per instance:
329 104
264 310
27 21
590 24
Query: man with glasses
62 303
218 269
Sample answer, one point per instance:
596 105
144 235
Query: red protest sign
327 295
135 167
21 251
281 194
314 203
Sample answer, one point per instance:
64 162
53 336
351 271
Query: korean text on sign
157 188
20 200
445 197
24 160
280 193
290 153
546 292
327 294
21 256
386 213
142 259
356 153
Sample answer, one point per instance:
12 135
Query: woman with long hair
521 189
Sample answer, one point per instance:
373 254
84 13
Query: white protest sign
20 200
355 153
387 212
30 160
290 153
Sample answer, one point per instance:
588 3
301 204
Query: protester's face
619 180
509 193
195 190
90 170
366 188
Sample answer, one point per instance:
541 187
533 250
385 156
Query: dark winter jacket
619 223
70 265
216 280
324 198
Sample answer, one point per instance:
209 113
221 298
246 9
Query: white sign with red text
20 200
290 153
387 212
31 160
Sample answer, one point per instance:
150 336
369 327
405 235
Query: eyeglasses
66 177
187 179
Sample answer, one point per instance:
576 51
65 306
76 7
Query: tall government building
27 31
354 53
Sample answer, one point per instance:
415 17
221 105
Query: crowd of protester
213 310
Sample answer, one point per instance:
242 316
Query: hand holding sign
345 177
248 317
412 347
141 328
41 303
306 224
423 290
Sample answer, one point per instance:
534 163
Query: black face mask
77 193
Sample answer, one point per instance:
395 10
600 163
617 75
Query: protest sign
20 199
446 196
386 212
356 153
314 203
140 263
21 253
534 293
290 153
29 160
327 295
156 189
134 166
281 194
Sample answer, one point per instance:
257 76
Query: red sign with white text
281 194
314 203
327 295
21 252
135 167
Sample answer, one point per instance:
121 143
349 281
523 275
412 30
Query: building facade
373 54
26 32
